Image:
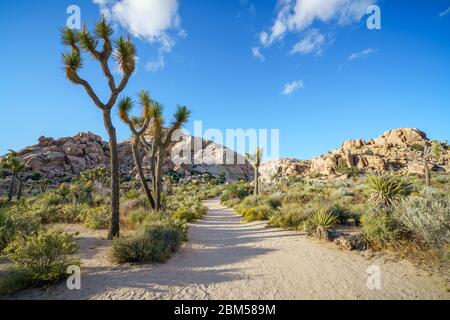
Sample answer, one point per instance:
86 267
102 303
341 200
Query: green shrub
259 213
50 199
190 214
97 218
386 190
289 216
417 147
380 231
15 224
139 216
64 193
155 242
82 193
132 194
39 259
239 190
426 219
345 170
274 201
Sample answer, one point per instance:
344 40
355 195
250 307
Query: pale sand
228 259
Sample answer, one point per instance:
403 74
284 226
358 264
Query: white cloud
290 88
256 51
299 15
312 42
149 20
361 54
445 12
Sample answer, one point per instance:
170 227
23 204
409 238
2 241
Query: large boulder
402 137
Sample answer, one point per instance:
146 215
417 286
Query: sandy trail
227 259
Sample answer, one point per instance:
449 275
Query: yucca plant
386 190
320 222
124 53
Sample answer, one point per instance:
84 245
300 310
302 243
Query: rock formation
62 159
396 150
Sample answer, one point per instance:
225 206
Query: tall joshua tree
14 164
255 160
159 142
138 127
124 52
431 150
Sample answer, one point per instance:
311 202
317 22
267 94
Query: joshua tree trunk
138 162
19 190
427 172
157 182
114 225
256 180
12 186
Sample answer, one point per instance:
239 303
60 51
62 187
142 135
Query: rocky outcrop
284 169
396 150
62 159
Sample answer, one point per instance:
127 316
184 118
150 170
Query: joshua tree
159 142
431 150
124 52
138 127
255 160
14 164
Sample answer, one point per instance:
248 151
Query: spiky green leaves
323 218
70 37
12 162
103 29
125 106
182 115
88 42
125 55
386 190
72 62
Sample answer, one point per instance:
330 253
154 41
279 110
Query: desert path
228 259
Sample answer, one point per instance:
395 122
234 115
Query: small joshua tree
158 143
124 52
138 127
431 150
255 160
15 165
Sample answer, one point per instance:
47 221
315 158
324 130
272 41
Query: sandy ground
228 259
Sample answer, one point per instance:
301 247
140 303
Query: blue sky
351 82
